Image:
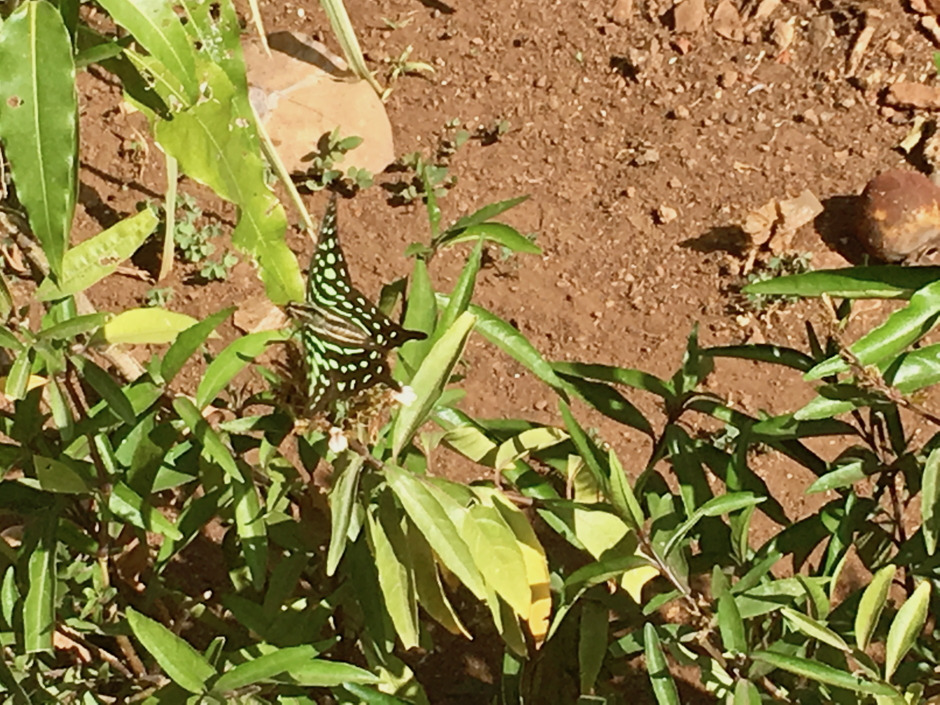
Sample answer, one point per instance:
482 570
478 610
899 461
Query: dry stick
873 18
169 210
97 650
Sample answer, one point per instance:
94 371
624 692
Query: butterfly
346 340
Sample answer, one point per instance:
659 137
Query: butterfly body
346 340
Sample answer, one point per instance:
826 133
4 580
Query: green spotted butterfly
346 340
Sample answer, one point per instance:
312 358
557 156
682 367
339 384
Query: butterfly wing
346 338
329 288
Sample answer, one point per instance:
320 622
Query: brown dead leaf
302 92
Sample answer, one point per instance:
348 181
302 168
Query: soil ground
613 115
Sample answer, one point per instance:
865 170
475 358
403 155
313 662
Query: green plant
322 171
214 270
159 297
426 177
777 266
403 66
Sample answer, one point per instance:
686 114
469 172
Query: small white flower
406 397
338 441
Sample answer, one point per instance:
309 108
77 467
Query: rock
821 31
893 49
727 22
727 78
782 34
621 12
766 9
759 223
647 156
905 94
665 214
809 115
797 212
688 16
900 217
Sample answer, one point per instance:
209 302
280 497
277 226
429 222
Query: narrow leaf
92 260
664 687
872 603
906 627
39 121
181 662
146 326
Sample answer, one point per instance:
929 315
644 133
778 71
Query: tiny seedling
453 139
777 266
402 66
323 171
159 297
436 175
493 133
214 270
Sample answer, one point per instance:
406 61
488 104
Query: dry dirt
613 115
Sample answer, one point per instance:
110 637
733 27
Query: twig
97 650
873 17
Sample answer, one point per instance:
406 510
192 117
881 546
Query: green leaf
217 145
281 665
432 520
207 437
231 361
842 476
814 629
592 642
394 566
158 29
134 509
462 293
823 673
182 663
39 603
731 625
110 391
188 342
621 495
500 233
879 282
420 315
773 354
531 440
146 326
9 595
39 121
512 342
252 532
498 556
746 693
616 375
429 381
57 476
906 627
664 687
10 341
610 403
716 506
480 216
75 326
347 469
872 603
902 328
18 379
92 260
930 501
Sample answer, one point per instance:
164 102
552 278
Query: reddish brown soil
734 124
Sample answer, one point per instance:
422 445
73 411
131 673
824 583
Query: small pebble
893 49
674 183
665 214
728 78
